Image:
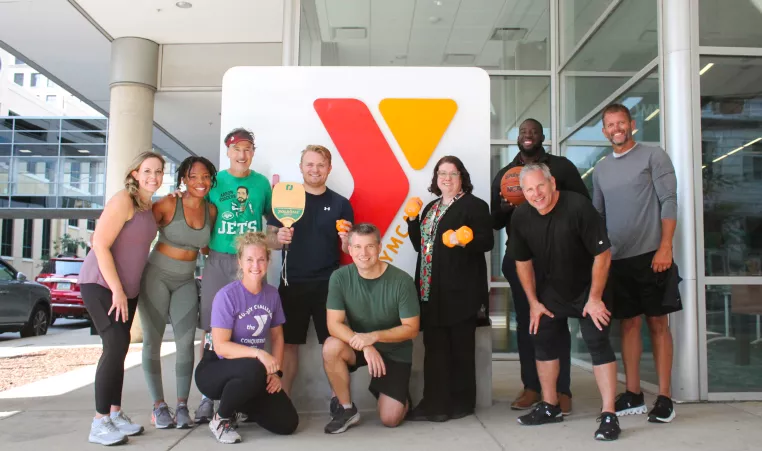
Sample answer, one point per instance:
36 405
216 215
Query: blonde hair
131 183
251 239
320 150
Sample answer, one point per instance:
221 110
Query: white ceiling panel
348 13
208 21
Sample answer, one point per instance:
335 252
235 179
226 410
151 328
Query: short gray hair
364 228
531 167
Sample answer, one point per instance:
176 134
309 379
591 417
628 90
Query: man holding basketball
567 178
314 251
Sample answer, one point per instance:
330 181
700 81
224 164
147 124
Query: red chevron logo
380 183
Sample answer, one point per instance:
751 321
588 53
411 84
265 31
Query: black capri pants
551 330
241 386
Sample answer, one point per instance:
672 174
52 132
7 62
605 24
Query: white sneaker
223 431
125 424
104 432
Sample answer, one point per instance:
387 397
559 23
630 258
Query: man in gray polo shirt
635 190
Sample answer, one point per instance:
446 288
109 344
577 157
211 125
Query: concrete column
134 74
679 80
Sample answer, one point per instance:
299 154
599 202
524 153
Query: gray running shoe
125 424
343 420
205 411
223 431
103 432
161 417
182 417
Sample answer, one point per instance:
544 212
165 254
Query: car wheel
38 323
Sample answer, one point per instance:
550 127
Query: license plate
64 286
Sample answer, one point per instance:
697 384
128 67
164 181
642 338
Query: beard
531 151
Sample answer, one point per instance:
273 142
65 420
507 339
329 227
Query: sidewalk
62 423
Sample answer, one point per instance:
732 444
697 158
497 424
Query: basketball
510 188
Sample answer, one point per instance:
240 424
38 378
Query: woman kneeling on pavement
236 369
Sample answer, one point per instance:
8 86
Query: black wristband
280 373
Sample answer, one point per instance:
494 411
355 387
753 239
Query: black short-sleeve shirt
315 250
562 243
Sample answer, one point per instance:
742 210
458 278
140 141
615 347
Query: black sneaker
343 420
609 429
663 411
629 403
542 413
333 407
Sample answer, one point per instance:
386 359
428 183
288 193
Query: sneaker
565 403
205 411
182 417
527 399
223 431
161 417
663 411
333 407
125 424
629 403
343 420
104 432
609 429
543 413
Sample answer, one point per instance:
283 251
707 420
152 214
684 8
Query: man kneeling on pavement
373 316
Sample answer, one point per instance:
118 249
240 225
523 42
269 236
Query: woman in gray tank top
110 283
168 286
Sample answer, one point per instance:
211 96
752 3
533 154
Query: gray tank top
180 235
130 252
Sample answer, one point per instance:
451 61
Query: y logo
261 321
381 185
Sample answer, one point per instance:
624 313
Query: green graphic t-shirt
241 202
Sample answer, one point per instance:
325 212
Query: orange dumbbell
413 207
342 225
447 238
463 236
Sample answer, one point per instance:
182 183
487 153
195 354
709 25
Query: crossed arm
338 328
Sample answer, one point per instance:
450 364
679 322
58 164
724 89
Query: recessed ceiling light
25 151
184 5
83 151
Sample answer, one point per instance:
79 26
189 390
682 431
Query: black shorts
302 300
637 290
395 384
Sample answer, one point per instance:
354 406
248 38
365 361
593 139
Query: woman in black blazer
452 286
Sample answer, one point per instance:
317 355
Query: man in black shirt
560 236
567 179
314 251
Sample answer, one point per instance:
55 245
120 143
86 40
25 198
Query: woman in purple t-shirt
236 369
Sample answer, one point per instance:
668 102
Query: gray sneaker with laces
205 411
182 417
161 417
125 424
104 432
223 431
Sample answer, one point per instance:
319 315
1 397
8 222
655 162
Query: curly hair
465 177
184 169
131 184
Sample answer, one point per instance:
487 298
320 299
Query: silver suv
24 304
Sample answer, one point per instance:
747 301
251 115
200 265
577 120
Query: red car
61 275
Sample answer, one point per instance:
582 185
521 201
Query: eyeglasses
442 174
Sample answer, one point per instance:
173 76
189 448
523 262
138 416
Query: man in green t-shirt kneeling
373 316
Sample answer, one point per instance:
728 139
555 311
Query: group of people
566 257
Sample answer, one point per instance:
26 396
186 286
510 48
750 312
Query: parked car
60 275
24 304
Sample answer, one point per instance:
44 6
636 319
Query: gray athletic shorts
220 269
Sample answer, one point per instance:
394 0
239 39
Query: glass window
51 84
35 137
84 124
518 41
6 246
514 99
18 78
733 337
36 80
731 152
6 273
503 318
34 176
19 60
501 156
737 26
577 16
5 170
31 150
83 150
26 240
623 45
91 224
50 99
45 249
83 176
39 125
83 138
74 223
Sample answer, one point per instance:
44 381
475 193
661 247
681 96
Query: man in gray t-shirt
635 190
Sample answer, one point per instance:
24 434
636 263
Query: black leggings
241 386
109 376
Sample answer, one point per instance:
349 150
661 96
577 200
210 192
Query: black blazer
459 284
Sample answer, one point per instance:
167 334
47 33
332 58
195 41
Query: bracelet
280 374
